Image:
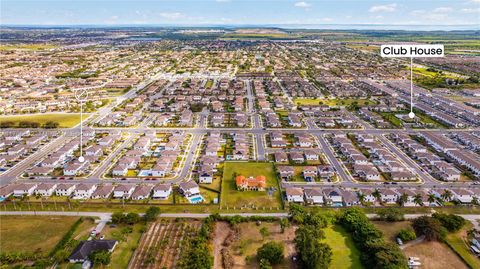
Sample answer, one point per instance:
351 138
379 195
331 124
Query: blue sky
243 12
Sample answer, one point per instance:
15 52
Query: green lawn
391 229
345 254
27 47
332 102
64 120
231 197
32 233
457 241
126 246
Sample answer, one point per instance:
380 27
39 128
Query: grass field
435 255
27 47
391 229
457 241
244 248
345 254
331 102
32 233
126 246
231 197
64 120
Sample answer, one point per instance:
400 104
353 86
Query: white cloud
384 8
172 15
222 1
470 10
302 4
442 9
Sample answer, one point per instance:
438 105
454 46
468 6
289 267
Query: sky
239 12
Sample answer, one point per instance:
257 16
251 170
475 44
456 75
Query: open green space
345 253
459 243
64 120
332 102
232 198
391 229
27 47
30 234
127 243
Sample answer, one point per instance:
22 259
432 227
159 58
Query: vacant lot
249 239
435 255
162 244
64 120
127 243
32 233
345 254
391 229
432 254
231 197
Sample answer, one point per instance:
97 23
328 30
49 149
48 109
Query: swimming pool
196 199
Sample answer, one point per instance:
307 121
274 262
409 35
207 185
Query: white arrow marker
81 95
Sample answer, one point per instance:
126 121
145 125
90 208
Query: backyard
262 200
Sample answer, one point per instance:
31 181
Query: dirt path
222 229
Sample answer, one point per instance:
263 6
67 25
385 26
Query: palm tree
447 195
402 199
417 199
377 194
474 200
361 197
431 198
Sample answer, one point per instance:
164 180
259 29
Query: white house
313 196
22 189
162 191
102 192
142 192
206 177
45 189
294 194
64 189
123 191
84 191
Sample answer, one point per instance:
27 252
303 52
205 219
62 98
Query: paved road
344 177
106 216
109 161
424 176
11 174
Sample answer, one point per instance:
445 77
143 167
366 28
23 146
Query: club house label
412 51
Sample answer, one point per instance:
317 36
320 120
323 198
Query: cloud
470 10
222 1
327 19
172 15
302 4
384 8
442 9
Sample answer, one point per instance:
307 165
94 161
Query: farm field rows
161 245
